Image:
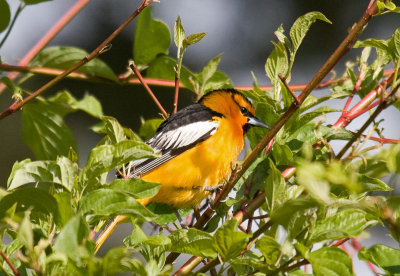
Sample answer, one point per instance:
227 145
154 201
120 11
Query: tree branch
342 49
10 264
96 52
153 97
68 16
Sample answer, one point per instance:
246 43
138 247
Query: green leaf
64 103
163 68
165 213
61 172
394 44
383 256
106 202
103 158
312 176
296 216
330 261
29 197
193 242
270 249
113 129
277 63
275 188
74 234
152 38
343 224
149 127
193 39
372 184
228 241
5 15
65 206
282 154
208 71
63 57
45 132
179 33
135 187
25 232
301 26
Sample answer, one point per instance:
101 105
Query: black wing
180 132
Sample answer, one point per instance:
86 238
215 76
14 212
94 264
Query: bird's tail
113 224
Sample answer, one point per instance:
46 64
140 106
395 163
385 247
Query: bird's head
233 105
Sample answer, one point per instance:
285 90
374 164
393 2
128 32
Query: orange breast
207 164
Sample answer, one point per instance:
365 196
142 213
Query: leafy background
239 30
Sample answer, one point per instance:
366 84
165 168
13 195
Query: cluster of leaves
52 206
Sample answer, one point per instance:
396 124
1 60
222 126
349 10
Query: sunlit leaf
59 172
302 25
383 256
330 261
106 202
194 242
346 223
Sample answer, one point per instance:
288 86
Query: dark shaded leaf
29 197
149 127
228 241
63 57
135 187
152 38
45 132
5 15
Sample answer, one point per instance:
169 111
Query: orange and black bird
197 145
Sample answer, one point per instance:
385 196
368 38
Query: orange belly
207 164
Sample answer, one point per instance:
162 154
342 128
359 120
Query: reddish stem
176 94
357 246
10 264
153 97
71 13
357 87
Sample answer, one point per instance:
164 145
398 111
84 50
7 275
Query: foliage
52 205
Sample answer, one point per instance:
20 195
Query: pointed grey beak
254 121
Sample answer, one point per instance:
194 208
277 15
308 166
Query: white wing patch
182 136
168 144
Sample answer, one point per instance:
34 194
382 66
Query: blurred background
241 31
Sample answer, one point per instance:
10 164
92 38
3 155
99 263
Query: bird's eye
244 111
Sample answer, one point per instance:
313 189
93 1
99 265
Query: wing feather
172 143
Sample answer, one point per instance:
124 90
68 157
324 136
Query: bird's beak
254 121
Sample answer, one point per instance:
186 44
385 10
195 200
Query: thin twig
10 264
70 14
176 95
288 88
385 103
104 45
153 97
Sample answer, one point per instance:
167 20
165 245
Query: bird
197 146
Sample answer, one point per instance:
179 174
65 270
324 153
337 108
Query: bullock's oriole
197 146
